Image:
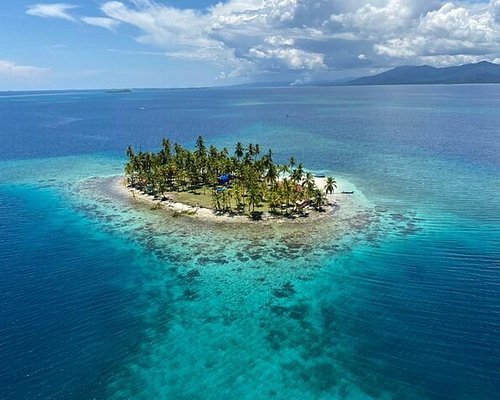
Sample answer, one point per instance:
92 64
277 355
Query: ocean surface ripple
395 296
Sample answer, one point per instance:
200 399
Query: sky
94 44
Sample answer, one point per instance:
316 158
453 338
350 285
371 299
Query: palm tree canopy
330 185
252 178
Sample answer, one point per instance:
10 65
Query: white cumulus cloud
370 19
281 52
9 69
298 37
495 9
446 36
103 22
55 10
236 34
294 59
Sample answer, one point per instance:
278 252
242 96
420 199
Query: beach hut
224 179
301 204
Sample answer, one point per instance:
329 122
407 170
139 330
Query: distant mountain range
482 72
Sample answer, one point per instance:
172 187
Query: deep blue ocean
103 298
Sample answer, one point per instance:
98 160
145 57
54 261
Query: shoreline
178 209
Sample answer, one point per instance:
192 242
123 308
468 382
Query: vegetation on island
246 182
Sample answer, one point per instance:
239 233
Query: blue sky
146 43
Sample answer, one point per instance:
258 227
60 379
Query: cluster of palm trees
251 178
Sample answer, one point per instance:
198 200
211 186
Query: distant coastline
482 72
119 91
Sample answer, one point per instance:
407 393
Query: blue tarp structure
223 179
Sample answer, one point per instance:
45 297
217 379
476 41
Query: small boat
345 192
319 176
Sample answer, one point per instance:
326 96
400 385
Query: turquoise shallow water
396 296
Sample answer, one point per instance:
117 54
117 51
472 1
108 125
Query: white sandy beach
207 214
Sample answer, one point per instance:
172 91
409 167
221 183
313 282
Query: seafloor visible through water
396 295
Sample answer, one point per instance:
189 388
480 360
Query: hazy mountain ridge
482 72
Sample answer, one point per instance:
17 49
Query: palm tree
270 156
256 149
319 199
147 166
166 144
160 179
330 185
309 184
216 200
239 151
286 192
130 172
254 197
166 150
271 175
171 174
284 169
182 180
226 197
130 152
298 173
251 150
273 198
238 193
200 146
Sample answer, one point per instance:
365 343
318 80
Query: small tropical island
247 183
